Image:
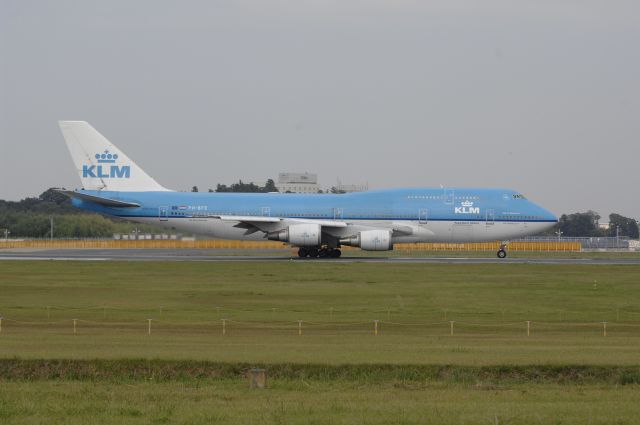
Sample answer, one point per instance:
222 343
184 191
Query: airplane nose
548 217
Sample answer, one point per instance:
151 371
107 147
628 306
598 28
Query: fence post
149 328
375 327
74 325
451 323
528 327
299 327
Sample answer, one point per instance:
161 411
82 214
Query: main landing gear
502 252
319 252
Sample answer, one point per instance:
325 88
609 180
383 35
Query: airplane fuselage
413 214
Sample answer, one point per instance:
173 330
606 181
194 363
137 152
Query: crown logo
106 157
467 204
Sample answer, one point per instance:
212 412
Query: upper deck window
518 196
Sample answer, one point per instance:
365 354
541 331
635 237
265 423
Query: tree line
587 224
32 217
241 187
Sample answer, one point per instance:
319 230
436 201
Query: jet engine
370 240
299 235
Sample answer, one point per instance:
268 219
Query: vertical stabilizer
101 165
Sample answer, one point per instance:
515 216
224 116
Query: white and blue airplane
318 225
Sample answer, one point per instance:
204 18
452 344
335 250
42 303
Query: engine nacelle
299 235
371 240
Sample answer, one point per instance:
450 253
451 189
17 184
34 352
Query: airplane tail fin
101 165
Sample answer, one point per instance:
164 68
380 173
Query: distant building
298 183
348 188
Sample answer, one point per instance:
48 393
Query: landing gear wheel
336 253
502 253
302 252
324 253
313 252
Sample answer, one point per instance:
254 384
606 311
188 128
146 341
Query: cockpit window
518 196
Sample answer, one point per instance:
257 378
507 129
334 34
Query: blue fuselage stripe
417 204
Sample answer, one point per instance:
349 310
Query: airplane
317 224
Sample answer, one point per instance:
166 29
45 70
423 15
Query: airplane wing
267 224
265 219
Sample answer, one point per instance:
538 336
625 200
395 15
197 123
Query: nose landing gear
502 252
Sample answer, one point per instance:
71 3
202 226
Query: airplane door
163 213
490 217
423 216
449 196
337 213
266 211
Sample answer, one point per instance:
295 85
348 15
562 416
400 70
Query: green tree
251 187
627 226
580 224
270 186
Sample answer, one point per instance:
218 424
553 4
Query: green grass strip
176 370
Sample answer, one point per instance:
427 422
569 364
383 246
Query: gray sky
542 96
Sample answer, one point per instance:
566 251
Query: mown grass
337 303
337 371
228 401
158 391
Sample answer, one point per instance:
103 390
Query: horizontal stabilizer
107 202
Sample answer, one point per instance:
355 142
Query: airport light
559 233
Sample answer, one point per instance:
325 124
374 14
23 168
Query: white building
348 188
297 183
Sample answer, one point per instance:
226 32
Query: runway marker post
375 327
299 327
451 324
604 329
528 327
149 327
74 326
224 326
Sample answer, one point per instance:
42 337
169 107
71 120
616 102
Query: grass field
266 305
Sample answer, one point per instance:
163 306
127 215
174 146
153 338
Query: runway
279 255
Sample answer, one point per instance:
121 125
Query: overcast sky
542 96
